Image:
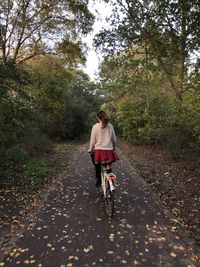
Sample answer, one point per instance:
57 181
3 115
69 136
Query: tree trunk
183 44
147 80
2 43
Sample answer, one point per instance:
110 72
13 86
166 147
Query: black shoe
98 184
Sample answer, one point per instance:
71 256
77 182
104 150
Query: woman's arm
92 139
113 138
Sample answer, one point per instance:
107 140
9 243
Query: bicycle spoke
109 201
107 191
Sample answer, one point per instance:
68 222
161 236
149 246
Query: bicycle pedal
111 193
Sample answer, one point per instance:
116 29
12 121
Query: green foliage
40 101
16 114
131 118
167 123
36 142
170 127
36 172
63 98
15 117
166 31
32 28
191 102
12 79
144 107
72 52
43 97
15 154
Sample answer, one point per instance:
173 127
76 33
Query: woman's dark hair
103 118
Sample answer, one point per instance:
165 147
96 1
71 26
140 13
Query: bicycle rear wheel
109 202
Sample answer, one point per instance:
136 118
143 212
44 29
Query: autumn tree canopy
169 31
30 27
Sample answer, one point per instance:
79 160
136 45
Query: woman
102 145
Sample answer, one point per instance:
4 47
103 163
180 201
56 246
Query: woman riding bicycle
102 145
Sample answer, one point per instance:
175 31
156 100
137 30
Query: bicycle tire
109 202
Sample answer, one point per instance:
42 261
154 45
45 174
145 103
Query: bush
35 142
16 154
131 118
35 174
168 122
191 105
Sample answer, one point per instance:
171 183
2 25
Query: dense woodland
148 79
151 71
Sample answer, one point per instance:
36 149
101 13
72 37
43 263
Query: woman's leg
98 173
97 170
108 167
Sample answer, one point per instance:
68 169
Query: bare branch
15 24
22 30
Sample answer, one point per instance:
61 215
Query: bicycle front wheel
109 201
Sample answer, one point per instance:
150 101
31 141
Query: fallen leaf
173 254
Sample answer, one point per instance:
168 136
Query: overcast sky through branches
101 11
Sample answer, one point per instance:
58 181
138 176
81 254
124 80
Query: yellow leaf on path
194 258
24 249
127 252
88 249
2 264
173 254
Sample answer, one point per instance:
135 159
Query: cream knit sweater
102 138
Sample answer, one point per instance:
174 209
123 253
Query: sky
93 58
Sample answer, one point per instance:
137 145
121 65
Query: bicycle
107 190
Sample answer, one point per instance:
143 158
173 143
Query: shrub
16 154
168 122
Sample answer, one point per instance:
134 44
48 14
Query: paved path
70 226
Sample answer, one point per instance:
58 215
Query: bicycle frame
107 179
108 190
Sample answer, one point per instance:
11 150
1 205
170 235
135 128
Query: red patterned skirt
103 156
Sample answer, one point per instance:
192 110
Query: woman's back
103 137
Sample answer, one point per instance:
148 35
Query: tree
30 27
144 109
169 31
16 113
62 97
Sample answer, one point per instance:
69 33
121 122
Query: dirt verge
17 202
175 183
